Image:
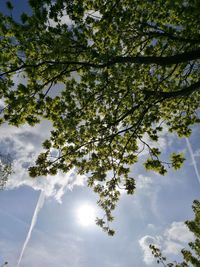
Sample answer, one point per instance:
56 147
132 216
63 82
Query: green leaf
9 5
24 17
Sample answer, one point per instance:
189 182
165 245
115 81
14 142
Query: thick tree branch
146 60
162 61
186 91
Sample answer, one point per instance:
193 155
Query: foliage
5 170
191 256
124 69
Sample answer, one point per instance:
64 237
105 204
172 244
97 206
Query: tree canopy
124 69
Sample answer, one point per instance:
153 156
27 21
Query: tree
192 255
124 69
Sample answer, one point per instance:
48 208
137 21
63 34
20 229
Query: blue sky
155 213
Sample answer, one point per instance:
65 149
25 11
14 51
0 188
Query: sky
40 221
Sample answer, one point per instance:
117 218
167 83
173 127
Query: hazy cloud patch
143 182
54 252
23 145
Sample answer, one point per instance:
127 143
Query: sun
86 215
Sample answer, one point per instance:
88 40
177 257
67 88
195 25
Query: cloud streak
193 159
38 207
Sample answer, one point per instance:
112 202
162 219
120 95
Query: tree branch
146 60
162 61
186 91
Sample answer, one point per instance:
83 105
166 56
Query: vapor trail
38 207
193 159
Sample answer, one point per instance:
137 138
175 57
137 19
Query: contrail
193 159
38 207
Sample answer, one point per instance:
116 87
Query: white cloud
63 19
144 243
178 231
173 239
177 236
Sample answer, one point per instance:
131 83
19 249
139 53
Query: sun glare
86 215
